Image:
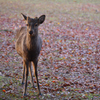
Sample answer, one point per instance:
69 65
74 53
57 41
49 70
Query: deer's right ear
25 17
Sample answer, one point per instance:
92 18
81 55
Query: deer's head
33 23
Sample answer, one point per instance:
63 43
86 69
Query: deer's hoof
22 83
33 86
24 94
40 94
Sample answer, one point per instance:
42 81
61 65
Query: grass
56 11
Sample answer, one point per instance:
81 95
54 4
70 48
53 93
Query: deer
28 45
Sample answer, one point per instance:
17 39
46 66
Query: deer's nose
30 32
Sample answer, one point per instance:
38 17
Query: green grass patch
55 10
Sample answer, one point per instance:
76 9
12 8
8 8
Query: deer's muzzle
30 32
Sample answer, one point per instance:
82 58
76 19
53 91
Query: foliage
69 63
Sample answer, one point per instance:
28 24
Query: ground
69 62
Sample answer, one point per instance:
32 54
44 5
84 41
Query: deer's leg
23 73
36 74
26 77
30 70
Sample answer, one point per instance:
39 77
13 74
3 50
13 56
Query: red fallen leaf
8 44
60 40
56 67
87 63
79 62
10 83
47 40
64 79
56 77
87 28
8 74
76 82
5 53
21 96
4 90
54 81
7 60
89 52
64 57
40 85
2 56
76 89
91 86
47 85
15 74
29 82
92 91
98 62
81 67
58 89
80 84
34 81
58 30
66 84
86 94
80 91
86 84
98 67
73 36
71 82
78 76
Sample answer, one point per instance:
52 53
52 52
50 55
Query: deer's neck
31 42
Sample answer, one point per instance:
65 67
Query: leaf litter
69 62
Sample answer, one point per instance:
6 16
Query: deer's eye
27 24
36 24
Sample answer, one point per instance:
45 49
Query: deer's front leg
26 77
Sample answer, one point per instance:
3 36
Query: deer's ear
25 17
41 19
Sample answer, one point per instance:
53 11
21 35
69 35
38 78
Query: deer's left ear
41 19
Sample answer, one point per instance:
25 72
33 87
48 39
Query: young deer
28 45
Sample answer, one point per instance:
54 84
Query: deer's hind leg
23 73
34 63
